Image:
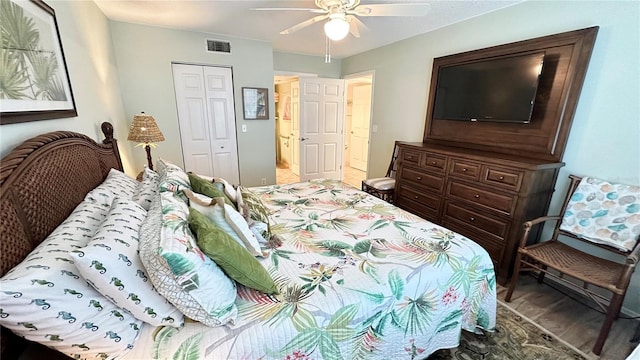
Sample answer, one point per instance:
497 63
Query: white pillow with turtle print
45 300
110 263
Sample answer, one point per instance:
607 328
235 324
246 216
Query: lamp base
149 161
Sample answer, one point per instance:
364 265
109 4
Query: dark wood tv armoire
484 179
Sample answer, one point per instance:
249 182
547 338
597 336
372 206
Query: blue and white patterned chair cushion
605 213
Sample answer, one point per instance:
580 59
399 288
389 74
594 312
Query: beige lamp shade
144 130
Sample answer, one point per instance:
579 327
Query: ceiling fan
343 15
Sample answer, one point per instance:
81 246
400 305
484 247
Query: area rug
515 338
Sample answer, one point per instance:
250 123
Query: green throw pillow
204 187
235 260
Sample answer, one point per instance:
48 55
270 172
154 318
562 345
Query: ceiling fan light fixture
336 29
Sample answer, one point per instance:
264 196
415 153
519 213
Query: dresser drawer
487 232
421 178
435 163
420 197
410 157
494 245
504 178
416 208
502 203
490 225
466 169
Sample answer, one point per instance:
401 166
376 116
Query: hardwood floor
570 319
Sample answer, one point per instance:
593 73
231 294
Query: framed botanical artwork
35 81
255 103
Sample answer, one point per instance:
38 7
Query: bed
356 277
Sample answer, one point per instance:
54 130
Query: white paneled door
204 95
360 120
321 137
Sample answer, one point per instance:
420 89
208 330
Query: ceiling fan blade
355 26
391 10
303 24
314 10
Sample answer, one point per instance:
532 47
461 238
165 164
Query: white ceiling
237 19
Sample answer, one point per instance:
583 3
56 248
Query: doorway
359 98
287 108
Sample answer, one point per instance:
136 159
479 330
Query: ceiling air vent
218 46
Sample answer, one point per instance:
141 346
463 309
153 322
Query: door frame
350 78
346 78
297 75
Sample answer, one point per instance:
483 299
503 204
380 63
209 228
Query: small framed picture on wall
255 103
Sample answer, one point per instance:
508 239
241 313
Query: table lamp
145 132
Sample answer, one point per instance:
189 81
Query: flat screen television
500 89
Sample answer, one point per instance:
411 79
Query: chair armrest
529 224
634 257
541 219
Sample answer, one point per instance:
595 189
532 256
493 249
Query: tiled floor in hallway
350 176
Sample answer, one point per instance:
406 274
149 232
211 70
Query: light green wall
144 55
605 135
88 50
604 140
307 64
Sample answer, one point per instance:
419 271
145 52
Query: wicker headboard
41 182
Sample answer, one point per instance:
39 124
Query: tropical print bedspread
360 279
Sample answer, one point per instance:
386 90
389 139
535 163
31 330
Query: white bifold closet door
206 115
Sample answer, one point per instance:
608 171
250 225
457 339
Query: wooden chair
586 268
384 187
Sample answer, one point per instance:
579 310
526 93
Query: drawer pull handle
410 157
501 178
417 197
464 169
472 219
419 178
477 196
433 163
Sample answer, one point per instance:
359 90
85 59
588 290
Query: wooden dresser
482 195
